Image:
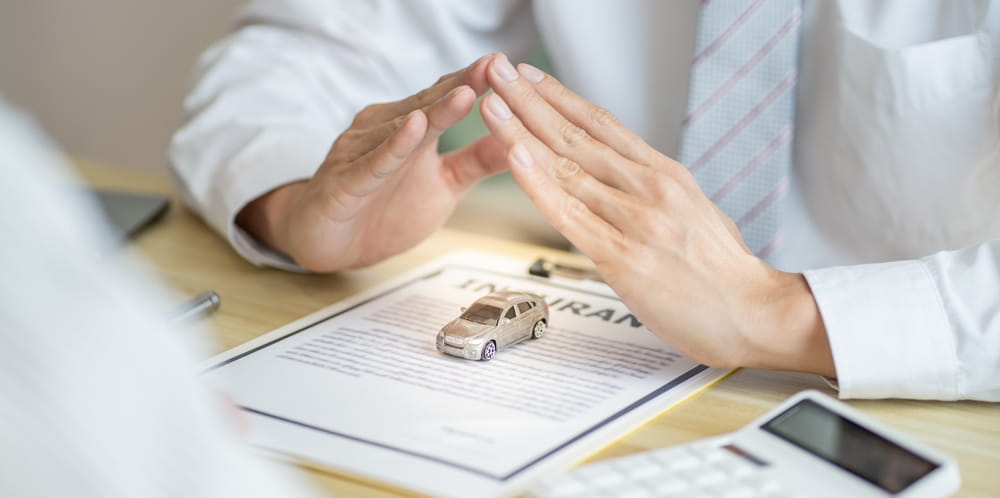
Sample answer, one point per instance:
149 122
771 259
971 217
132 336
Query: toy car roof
506 297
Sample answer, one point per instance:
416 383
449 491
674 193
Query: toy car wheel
489 350
539 330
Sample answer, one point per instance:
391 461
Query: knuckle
667 190
559 91
603 117
571 212
381 164
381 172
646 222
565 168
423 96
367 113
526 92
643 181
352 136
573 135
618 246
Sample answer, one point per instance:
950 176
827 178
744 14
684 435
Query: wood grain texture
191 257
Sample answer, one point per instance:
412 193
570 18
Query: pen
546 269
203 303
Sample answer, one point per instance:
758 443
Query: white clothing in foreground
895 152
98 398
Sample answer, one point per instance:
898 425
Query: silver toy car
493 322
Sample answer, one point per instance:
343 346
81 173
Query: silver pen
203 303
544 268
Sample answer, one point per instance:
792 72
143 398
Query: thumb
475 161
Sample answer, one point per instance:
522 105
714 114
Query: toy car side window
523 307
510 313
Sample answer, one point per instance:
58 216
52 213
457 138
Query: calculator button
683 463
707 478
668 455
699 494
671 487
703 447
643 470
717 456
769 487
738 492
632 492
561 487
601 476
736 468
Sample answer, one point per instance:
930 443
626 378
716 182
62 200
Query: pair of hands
675 259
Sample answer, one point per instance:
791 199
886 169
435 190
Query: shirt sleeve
925 329
99 398
270 99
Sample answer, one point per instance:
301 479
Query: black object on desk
130 212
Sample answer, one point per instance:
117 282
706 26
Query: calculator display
826 434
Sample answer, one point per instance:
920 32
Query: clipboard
359 388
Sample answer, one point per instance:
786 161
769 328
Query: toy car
494 322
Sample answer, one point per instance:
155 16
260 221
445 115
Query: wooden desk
188 255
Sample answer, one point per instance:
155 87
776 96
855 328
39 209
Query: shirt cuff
274 159
888 331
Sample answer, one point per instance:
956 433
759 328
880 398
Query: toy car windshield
482 313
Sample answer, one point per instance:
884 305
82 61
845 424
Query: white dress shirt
98 398
896 153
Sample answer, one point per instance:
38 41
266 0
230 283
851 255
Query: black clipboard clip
546 269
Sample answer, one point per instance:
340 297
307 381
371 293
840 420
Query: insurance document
360 388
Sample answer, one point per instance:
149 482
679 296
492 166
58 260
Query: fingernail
503 68
521 156
499 108
531 73
452 93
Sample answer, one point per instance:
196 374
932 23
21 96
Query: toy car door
526 317
510 326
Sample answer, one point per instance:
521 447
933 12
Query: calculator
809 446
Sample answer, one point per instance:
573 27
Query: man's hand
383 186
675 259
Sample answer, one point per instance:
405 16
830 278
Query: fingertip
477 74
531 73
482 106
494 106
501 70
410 133
448 111
462 96
482 61
415 120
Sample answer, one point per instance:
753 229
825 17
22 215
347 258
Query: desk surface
188 255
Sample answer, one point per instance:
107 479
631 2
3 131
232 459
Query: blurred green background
472 126
497 206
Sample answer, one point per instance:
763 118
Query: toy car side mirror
463 309
504 321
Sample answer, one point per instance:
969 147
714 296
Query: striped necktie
738 130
